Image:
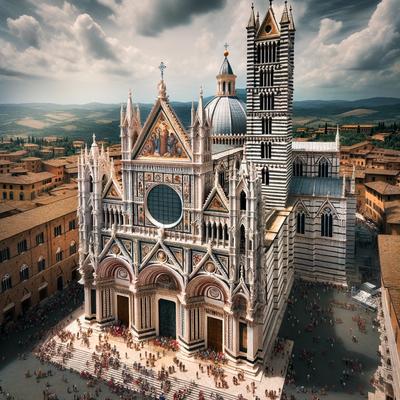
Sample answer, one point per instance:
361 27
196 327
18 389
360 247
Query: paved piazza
191 377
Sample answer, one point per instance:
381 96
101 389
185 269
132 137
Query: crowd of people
322 311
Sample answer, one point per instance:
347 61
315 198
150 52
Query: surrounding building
38 254
200 241
377 196
20 184
389 316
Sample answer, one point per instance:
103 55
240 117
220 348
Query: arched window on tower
300 222
269 150
242 240
262 101
221 178
298 168
223 87
262 150
243 200
90 184
327 223
323 169
265 175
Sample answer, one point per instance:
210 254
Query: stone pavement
81 360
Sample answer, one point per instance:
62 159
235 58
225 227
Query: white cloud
27 28
366 58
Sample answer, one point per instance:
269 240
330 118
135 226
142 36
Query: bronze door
214 333
167 318
123 310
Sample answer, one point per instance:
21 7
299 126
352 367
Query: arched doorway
159 303
214 294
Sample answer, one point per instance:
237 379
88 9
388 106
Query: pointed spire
122 114
258 21
94 148
291 25
344 186
129 109
252 20
193 114
337 139
200 107
162 88
285 15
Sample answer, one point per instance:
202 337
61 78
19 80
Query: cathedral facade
202 236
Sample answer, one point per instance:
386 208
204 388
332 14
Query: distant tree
326 128
358 129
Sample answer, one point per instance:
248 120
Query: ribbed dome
226 68
227 115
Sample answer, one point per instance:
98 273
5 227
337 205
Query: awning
25 296
43 285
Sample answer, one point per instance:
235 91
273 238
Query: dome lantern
226 79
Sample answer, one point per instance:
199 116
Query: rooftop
29 177
381 171
384 188
31 159
5 162
389 256
314 146
56 162
309 186
16 224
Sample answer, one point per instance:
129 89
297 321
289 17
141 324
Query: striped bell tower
270 64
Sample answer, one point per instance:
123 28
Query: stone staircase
82 361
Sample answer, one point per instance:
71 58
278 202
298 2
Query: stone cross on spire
161 67
226 45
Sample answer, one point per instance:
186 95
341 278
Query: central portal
123 310
167 318
214 333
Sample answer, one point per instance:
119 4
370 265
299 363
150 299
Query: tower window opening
300 223
242 240
297 168
243 200
265 175
323 169
326 224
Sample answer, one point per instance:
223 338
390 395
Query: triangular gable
113 193
216 200
269 29
163 137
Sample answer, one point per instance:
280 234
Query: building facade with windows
198 238
38 255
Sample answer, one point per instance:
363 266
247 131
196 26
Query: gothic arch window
323 169
300 222
243 200
6 283
327 223
298 168
262 101
72 248
221 178
263 150
24 273
269 150
229 87
266 125
242 240
226 233
90 184
265 175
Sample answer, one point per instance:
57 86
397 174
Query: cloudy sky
78 51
